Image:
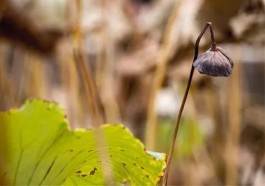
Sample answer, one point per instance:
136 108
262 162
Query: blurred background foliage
128 62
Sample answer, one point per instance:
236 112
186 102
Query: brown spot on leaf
93 171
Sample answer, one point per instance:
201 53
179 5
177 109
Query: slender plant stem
173 141
151 124
212 33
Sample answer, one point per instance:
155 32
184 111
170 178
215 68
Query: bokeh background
128 61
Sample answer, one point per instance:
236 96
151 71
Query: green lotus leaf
40 149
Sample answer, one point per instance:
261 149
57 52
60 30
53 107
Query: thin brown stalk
173 141
105 64
69 76
3 134
91 98
151 124
232 141
89 86
69 84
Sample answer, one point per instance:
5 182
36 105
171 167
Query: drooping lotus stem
210 62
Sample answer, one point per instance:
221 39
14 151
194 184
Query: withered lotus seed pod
214 62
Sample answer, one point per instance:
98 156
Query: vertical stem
91 97
151 125
234 117
173 141
212 34
105 64
4 78
90 89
